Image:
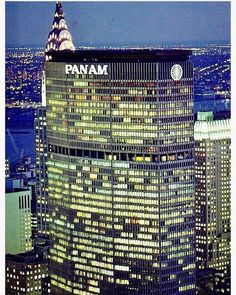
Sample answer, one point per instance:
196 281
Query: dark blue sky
121 23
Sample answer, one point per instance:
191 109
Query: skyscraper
59 38
121 171
41 173
213 166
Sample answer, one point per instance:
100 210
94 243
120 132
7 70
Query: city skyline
128 195
149 24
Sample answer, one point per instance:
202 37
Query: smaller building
25 168
46 286
212 282
18 218
213 195
7 168
25 273
14 183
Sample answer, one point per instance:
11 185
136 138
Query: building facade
25 273
213 195
121 172
18 220
41 173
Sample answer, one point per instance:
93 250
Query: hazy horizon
197 44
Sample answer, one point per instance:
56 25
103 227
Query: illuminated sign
176 72
86 69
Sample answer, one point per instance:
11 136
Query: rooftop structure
119 55
59 37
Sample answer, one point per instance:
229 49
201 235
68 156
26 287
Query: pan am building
121 172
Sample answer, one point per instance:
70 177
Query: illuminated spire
59 37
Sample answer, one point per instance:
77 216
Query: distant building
18 220
25 168
12 183
59 38
41 173
7 168
213 195
42 248
26 274
46 286
212 282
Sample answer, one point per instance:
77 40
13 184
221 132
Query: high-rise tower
59 37
41 172
213 194
121 172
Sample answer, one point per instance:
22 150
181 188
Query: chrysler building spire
59 37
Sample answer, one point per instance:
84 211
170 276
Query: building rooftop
213 130
27 257
16 190
119 55
205 116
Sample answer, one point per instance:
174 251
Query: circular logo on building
176 72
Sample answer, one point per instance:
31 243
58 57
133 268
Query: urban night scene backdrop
118 148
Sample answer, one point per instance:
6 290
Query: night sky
121 23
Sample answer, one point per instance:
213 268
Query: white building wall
18 222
